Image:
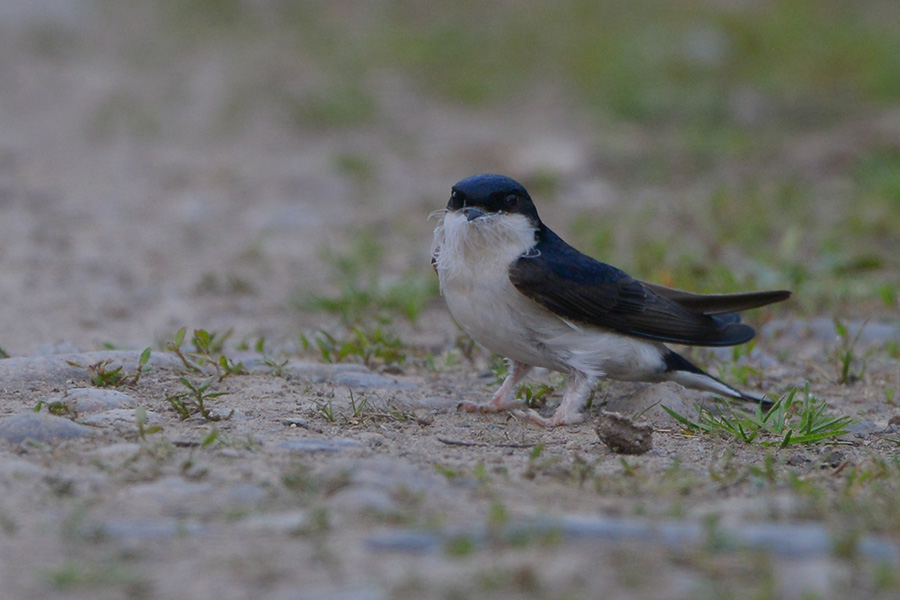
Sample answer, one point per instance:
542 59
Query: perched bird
522 292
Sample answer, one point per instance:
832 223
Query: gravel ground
125 214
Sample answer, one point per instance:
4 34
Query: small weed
361 411
140 419
103 377
498 367
208 350
534 394
193 401
276 368
3 353
846 357
789 421
367 346
326 409
58 408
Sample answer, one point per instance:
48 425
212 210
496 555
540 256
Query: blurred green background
715 145
770 129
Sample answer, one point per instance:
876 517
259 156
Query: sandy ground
110 234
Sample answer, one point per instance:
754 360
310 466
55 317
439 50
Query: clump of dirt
623 435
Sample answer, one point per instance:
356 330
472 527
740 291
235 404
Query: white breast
472 260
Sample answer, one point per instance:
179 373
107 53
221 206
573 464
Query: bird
519 290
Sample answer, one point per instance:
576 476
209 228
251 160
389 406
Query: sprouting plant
207 350
276 367
101 376
366 346
194 400
790 420
498 367
3 353
140 419
326 409
534 394
846 356
362 411
58 408
357 409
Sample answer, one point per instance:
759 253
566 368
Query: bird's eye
456 201
511 201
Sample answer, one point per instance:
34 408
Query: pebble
309 446
40 427
370 380
89 400
120 419
284 522
404 541
370 592
142 529
861 429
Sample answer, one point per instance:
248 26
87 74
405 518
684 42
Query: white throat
492 241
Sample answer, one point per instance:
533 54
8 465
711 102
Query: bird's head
488 218
492 197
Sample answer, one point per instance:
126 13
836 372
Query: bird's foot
558 418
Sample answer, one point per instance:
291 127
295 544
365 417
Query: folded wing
581 289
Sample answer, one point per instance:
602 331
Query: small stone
283 522
833 459
624 436
798 460
862 428
370 380
40 427
404 541
142 529
88 400
120 419
305 446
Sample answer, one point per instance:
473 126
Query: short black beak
472 213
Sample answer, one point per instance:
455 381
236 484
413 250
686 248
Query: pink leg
569 410
505 398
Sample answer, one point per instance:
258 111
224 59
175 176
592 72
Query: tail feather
681 370
717 304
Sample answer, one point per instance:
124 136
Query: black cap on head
493 194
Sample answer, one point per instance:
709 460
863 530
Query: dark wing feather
716 304
583 290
